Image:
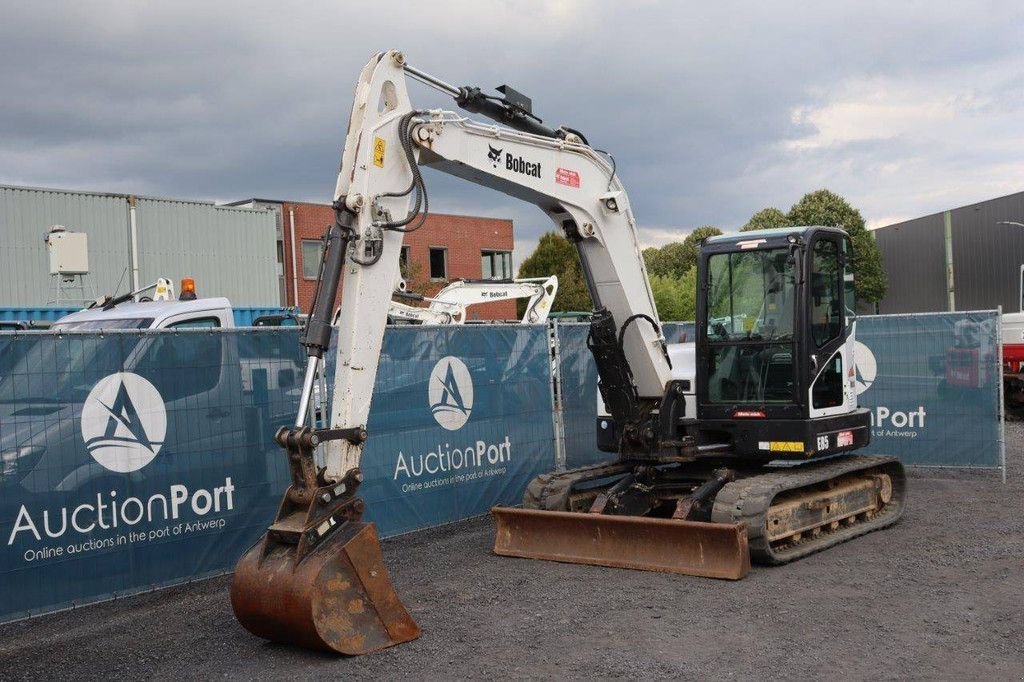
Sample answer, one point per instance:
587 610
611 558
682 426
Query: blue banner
460 421
578 385
132 460
931 382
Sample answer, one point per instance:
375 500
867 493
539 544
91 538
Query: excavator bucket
710 550
336 597
317 578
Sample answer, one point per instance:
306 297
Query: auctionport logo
867 367
124 422
450 392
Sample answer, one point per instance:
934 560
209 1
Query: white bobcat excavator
450 304
691 489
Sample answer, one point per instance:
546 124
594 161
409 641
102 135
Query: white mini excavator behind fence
695 486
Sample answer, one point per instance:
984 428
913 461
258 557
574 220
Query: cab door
829 339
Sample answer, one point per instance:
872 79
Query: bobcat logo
494 155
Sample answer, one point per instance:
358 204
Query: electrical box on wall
69 251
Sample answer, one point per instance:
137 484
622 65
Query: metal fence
244 315
931 381
131 460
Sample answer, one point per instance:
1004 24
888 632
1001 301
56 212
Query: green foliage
869 279
677 258
554 255
668 261
766 219
675 297
691 245
823 207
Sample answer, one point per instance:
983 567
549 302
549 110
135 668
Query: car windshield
46 368
90 325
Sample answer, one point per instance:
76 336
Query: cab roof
774 233
154 309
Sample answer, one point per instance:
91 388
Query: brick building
446 248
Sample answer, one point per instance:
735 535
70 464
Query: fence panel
578 385
460 421
132 460
932 384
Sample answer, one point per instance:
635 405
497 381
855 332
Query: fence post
1002 397
557 423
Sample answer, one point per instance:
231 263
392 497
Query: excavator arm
574 185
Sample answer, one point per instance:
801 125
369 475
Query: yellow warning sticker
378 152
786 446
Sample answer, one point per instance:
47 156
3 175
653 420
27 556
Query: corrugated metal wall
26 216
987 258
914 257
229 251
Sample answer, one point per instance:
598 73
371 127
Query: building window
312 252
404 267
496 264
438 262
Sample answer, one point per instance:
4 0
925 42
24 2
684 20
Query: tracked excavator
450 305
735 447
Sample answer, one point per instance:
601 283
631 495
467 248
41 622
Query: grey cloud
223 101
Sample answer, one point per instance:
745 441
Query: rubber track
749 499
551 491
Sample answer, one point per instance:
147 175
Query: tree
675 297
692 244
823 207
554 255
767 219
668 261
676 258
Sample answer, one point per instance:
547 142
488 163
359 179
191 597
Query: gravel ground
938 596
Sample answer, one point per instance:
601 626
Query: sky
713 111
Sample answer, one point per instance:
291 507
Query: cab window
827 297
199 323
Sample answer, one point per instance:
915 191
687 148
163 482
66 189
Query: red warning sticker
564 176
844 439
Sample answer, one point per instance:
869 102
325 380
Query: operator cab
775 373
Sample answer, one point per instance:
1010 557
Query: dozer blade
711 550
337 596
